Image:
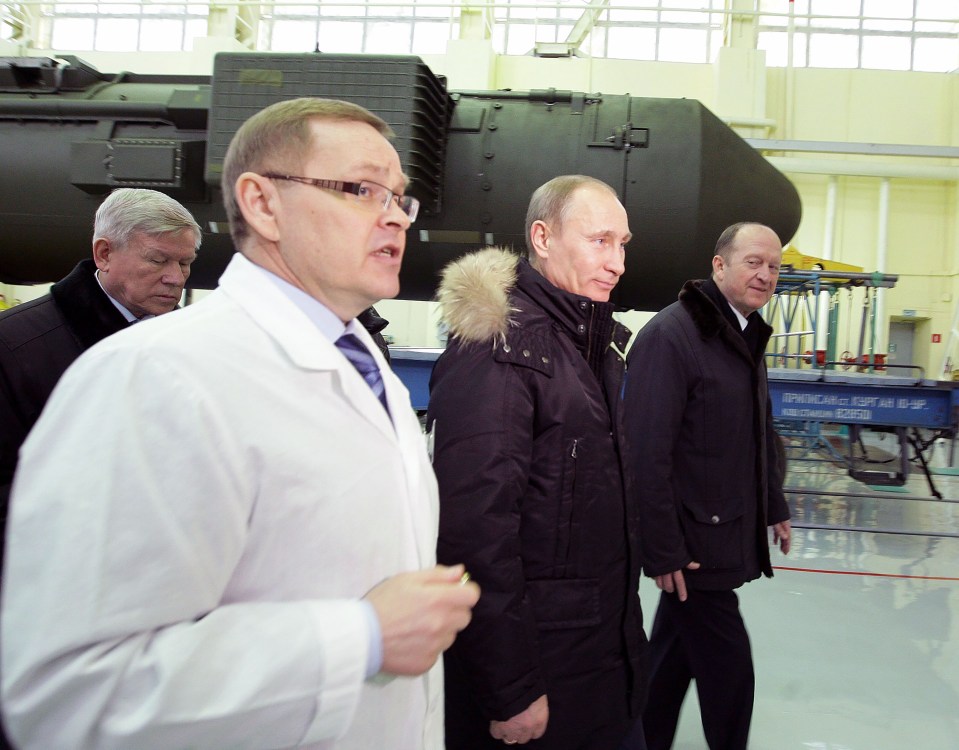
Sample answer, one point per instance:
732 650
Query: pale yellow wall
865 105
412 323
15 294
922 248
606 76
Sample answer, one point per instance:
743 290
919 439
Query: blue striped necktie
355 351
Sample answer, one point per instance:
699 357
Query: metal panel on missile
681 173
400 89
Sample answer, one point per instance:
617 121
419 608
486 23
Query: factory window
668 30
371 26
120 27
918 35
12 20
74 33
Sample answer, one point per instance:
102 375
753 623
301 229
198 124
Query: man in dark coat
700 434
525 421
143 245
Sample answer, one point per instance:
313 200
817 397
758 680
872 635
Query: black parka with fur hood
530 468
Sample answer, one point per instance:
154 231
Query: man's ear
719 265
257 198
539 239
102 252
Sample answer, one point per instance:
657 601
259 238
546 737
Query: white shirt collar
743 322
328 322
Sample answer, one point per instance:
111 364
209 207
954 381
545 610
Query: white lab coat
203 502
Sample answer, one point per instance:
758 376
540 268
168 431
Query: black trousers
702 639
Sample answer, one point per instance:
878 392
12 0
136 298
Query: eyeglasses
367 192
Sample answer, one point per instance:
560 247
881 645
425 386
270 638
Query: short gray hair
550 203
276 139
130 211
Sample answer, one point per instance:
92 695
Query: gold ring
464 579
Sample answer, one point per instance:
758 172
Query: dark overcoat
39 340
702 442
525 419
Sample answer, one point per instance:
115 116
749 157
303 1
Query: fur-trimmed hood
494 296
474 294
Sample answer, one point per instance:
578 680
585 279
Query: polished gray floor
856 638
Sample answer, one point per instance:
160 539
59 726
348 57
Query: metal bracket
624 138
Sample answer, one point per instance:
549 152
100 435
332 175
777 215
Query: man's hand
670 582
525 726
782 535
420 614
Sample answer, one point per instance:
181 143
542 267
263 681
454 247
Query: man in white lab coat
220 536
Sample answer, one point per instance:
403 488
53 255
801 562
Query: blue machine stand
805 400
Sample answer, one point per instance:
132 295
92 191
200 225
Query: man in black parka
700 434
143 245
525 419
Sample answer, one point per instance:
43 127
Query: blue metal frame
855 398
414 366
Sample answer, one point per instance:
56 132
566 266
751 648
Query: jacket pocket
714 540
565 603
564 511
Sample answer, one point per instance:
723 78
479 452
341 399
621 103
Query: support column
824 326
740 74
881 341
236 23
470 60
